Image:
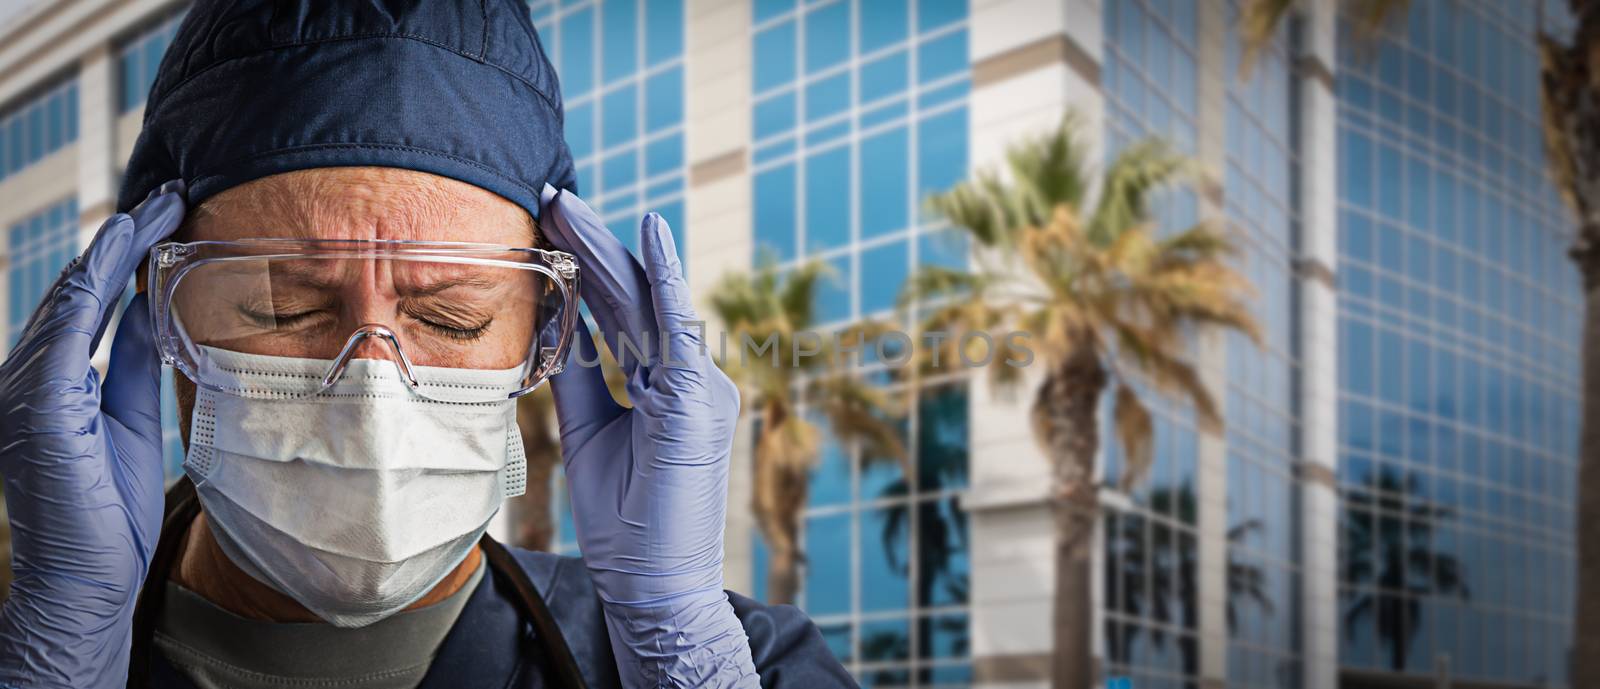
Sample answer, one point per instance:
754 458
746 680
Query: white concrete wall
1319 314
1033 60
718 205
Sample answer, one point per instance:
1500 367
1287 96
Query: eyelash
460 334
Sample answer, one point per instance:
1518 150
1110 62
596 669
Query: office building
1391 501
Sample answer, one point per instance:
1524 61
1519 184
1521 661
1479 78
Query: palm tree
533 516
1171 583
1570 98
771 309
532 513
1391 548
1110 307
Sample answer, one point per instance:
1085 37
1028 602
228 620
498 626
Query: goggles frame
171 261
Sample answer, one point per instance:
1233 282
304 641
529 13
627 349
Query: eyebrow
435 288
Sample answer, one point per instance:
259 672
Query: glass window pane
932 14
664 155
35 133
884 187
942 553
767 9
775 115
885 535
663 100
828 200
941 151
577 53
131 94
827 566
884 77
663 37
883 23
830 480
827 97
886 640
619 170
55 121
774 56
883 272
580 130
942 437
775 214
619 112
827 36
833 293
619 24
942 57
72 112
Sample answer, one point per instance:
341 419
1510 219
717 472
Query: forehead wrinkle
366 203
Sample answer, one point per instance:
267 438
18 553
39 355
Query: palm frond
1140 170
1258 23
1135 430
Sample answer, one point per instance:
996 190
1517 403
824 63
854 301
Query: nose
370 341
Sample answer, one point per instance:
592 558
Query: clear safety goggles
433 308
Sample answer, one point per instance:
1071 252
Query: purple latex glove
649 484
82 464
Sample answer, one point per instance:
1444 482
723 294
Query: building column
1032 61
718 208
97 174
1212 354
1318 308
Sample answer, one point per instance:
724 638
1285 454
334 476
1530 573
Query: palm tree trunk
1064 419
1571 102
778 500
532 516
783 576
1586 632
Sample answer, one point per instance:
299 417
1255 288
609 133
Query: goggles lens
424 306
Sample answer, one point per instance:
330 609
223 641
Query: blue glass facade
1263 576
860 113
38 126
1458 344
1151 545
37 247
622 85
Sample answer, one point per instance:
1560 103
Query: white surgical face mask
357 501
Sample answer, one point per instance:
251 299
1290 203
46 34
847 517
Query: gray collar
192 626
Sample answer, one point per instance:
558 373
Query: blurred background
1389 498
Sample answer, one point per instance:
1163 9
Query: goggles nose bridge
382 332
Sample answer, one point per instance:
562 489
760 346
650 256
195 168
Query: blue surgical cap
258 87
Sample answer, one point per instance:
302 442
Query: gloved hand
649 485
82 464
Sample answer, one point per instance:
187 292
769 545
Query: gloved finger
684 346
153 220
583 402
611 281
131 395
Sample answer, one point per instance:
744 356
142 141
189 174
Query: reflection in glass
941 551
942 438
885 570
1390 560
827 571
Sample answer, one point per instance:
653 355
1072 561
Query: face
448 315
